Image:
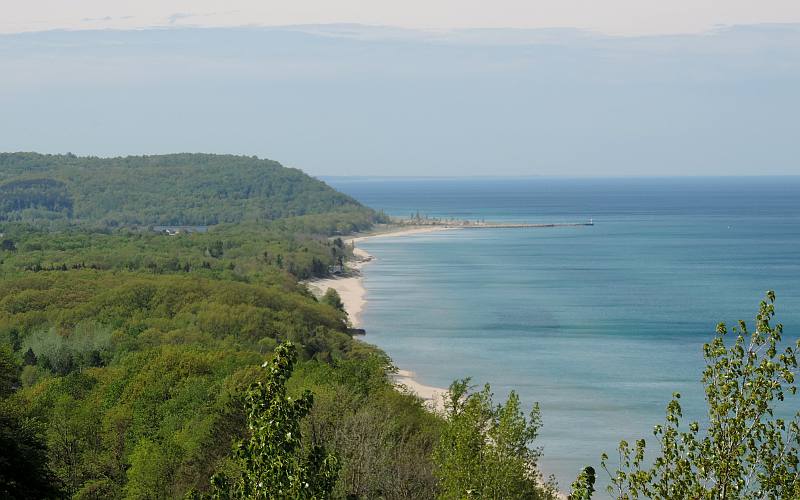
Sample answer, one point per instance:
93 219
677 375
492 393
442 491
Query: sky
421 91
617 17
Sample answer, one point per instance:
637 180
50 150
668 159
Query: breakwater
522 225
493 225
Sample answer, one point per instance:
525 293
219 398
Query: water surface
598 324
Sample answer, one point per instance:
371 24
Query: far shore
350 287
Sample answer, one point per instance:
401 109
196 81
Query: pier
467 224
521 225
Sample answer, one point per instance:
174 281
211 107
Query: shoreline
353 294
350 286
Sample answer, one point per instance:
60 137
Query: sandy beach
350 287
431 395
402 231
353 294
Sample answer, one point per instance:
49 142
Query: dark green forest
178 189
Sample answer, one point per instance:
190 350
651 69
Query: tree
583 486
484 451
23 455
271 460
72 437
148 476
744 449
216 249
29 358
9 371
333 299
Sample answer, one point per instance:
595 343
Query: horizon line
711 29
546 176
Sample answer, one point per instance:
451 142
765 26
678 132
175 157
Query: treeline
179 189
47 195
298 247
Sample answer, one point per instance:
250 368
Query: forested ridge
176 189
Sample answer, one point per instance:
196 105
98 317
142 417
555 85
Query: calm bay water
598 324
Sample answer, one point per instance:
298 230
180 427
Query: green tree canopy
745 449
485 450
24 472
176 189
332 298
272 462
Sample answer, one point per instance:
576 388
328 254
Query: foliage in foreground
485 450
270 462
744 450
583 486
383 439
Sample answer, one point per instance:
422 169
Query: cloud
97 19
105 19
354 100
178 16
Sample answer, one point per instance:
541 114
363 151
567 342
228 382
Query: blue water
598 324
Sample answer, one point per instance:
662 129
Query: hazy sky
358 100
412 87
624 17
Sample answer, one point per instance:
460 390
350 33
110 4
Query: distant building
175 230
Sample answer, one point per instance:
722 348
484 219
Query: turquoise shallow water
598 324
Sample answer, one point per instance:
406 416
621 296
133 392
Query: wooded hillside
177 189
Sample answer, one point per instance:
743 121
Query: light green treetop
271 462
485 450
744 450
